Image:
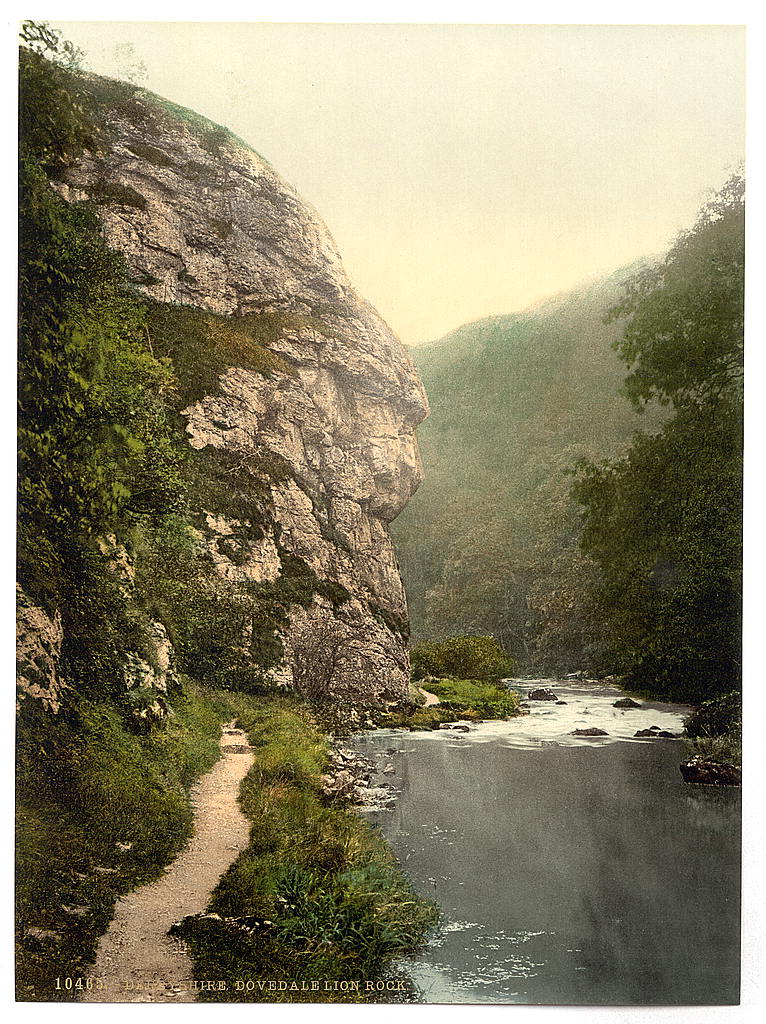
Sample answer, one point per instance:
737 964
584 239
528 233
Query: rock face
203 220
38 652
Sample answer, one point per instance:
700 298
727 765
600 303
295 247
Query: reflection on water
568 870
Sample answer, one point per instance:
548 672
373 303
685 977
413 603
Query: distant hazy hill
515 401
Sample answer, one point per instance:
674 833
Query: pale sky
466 170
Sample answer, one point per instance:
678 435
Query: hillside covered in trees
535 430
489 544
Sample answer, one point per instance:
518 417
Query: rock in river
711 773
626 702
592 731
542 693
654 732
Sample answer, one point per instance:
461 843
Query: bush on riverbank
322 884
464 657
715 728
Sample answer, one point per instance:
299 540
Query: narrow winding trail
138 961
431 698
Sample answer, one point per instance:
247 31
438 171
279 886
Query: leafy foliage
716 717
664 522
54 121
684 335
464 657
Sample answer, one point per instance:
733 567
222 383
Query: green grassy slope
515 401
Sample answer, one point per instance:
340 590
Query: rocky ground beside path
351 776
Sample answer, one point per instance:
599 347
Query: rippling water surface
568 870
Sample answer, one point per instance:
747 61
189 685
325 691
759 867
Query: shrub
463 657
718 717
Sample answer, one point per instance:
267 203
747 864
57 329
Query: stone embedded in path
76 911
44 936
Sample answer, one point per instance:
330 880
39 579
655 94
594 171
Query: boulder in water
592 731
654 732
626 702
711 773
542 693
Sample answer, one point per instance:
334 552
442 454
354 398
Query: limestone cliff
204 221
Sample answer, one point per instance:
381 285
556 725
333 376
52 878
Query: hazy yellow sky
466 170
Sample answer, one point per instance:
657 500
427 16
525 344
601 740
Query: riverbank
138 959
442 702
103 811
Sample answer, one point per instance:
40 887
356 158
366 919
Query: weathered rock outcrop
38 653
204 221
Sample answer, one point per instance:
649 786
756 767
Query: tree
684 335
97 452
663 523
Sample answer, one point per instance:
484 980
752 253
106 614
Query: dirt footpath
137 960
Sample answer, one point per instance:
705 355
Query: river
568 870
